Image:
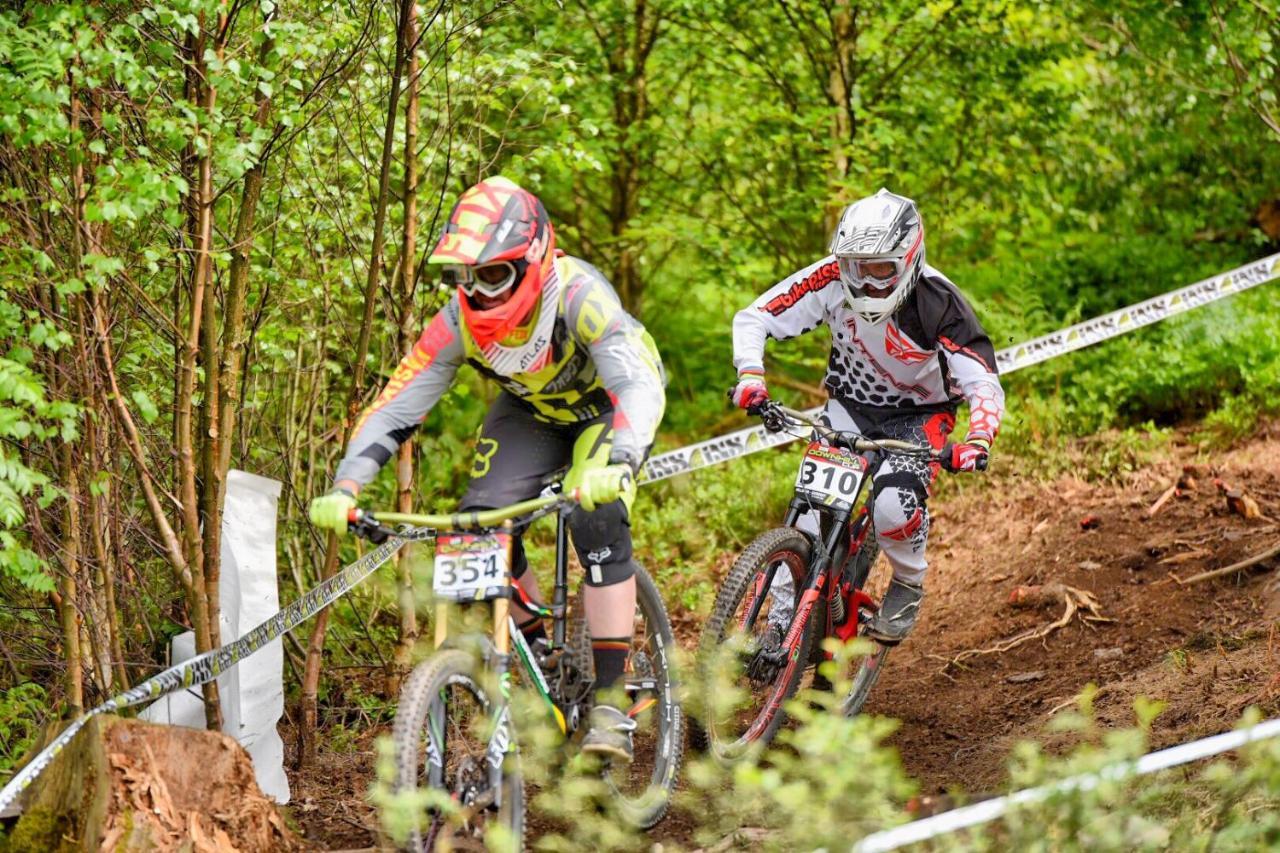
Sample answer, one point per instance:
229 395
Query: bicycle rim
443 733
865 678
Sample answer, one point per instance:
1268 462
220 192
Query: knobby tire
422 694
740 583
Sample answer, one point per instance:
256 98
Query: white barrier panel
704 454
251 695
989 810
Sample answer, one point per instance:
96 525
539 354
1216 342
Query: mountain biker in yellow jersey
905 349
582 385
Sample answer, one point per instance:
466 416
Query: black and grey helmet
879 244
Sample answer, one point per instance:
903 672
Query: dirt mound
125 784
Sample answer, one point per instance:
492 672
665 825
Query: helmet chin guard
879 246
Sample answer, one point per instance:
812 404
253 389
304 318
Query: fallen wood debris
1162 500
1185 557
1234 567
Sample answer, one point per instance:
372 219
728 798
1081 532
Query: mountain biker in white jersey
906 348
582 385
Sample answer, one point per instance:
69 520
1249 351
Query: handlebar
777 416
364 523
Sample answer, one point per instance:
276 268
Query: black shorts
518 455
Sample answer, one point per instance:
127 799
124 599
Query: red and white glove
750 390
969 456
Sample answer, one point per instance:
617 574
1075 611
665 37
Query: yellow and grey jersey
602 359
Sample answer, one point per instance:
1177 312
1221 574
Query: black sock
610 657
534 629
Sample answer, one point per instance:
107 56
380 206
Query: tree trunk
68 615
840 94
315 644
203 615
408 255
223 360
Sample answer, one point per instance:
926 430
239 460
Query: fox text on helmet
879 246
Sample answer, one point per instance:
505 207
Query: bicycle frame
431 527
841 534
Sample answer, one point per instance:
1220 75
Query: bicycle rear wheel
644 787
745 673
443 734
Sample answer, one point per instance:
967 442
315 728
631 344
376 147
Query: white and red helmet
879 245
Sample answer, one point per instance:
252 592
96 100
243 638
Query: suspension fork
560 594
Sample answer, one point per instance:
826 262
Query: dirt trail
1203 649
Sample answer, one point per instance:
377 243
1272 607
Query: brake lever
364 525
772 419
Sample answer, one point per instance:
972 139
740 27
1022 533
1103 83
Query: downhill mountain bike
741 646
453 730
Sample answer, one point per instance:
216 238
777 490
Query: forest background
214 216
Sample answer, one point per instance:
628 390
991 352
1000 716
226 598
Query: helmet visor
489 280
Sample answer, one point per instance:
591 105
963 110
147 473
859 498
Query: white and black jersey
929 355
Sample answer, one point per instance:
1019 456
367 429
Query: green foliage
23 708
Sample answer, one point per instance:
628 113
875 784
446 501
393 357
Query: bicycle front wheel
754 649
448 731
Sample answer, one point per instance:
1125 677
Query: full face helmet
879 245
498 248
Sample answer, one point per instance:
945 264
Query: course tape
989 810
208 666
713 451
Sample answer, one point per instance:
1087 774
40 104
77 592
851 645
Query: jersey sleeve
416 386
971 359
626 360
793 306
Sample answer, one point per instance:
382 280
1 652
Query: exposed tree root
1073 600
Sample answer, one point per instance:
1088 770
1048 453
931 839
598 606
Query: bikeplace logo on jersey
811 283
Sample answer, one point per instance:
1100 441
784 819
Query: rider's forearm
986 409
632 374
418 383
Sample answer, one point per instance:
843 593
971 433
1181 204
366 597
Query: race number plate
470 567
833 475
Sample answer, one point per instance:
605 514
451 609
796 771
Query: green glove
599 486
329 512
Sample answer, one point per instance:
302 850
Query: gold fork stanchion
502 607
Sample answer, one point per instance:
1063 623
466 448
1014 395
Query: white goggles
871 273
486 280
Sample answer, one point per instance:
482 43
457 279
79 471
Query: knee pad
603 542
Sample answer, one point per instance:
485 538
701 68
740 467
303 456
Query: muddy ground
1205 649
